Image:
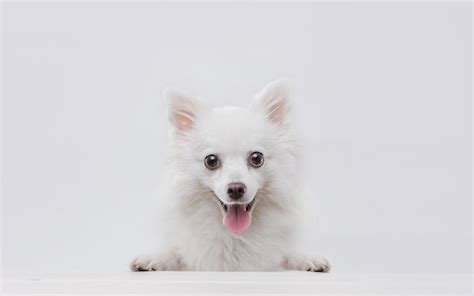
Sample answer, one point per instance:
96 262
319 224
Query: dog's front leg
168 261
306 263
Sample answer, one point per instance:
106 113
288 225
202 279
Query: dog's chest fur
205 245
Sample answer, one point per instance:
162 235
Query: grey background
381 95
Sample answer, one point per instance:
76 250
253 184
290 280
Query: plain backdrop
382 100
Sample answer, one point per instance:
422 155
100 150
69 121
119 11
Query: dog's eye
256 159
212 162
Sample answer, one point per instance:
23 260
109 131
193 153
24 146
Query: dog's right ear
273 100
182 109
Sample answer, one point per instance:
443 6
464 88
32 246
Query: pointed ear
273 99
182 109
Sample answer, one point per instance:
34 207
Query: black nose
236 190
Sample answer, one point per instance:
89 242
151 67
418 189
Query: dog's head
234 154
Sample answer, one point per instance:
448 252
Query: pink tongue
237 220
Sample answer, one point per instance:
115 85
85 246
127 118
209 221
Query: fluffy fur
196 238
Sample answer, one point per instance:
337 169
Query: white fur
195 237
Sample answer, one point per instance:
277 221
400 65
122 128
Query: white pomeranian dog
231 188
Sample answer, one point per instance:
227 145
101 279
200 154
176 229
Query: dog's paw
163 262
316 264
307 263
143 263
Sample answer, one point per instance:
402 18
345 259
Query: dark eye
256 159
212 162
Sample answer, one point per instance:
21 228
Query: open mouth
226 207
237 217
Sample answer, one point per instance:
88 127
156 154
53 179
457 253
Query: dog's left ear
182 109
273 100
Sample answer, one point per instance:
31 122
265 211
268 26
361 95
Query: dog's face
233 153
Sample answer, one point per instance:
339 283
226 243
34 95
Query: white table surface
236 282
